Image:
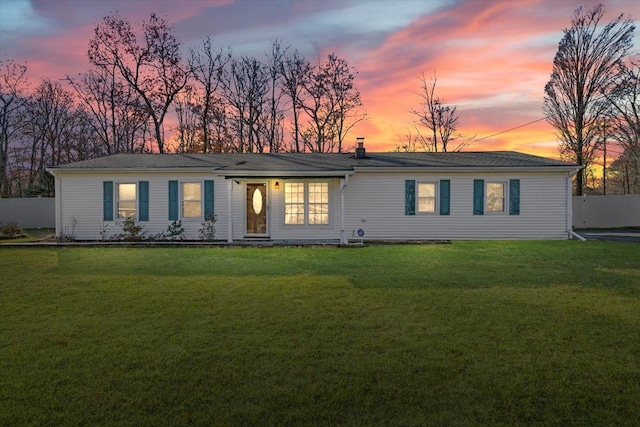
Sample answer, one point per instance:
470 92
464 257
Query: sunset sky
492 58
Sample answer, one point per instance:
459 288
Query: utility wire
509 130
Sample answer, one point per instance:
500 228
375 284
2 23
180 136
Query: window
191 200
427 197
495 196
125 200
294 203
306 203
318 203
431 197
126 203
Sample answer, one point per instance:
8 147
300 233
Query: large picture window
306 203
191 199
126 200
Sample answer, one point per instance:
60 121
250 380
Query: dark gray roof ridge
314 161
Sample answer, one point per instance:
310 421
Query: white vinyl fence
606 211
38 212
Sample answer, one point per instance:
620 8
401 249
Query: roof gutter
57 170
467 169
284 174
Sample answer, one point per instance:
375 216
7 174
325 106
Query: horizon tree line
138 78
284 102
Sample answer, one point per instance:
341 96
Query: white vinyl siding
373 202
376 201
81 203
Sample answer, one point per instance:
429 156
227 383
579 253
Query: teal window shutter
478 196
445 196
410 197
173 200
107 200
208 199
514 197
143 190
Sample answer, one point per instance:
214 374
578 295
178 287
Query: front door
257 209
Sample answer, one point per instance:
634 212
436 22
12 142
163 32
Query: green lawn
468 333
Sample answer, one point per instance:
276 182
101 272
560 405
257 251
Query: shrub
11 229
133 232
208 230
174 231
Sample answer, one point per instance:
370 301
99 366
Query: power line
509 130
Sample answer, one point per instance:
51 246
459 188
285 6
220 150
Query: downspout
57 202
229 211
343 184
569 222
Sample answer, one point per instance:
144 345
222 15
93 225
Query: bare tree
207 65
190 134
440 119
274 68
625 118
246 85
13 84
153 69
118 118
295 70
49 134
345 97
585 67
331 103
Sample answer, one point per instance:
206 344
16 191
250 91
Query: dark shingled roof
314 162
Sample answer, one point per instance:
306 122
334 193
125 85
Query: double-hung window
294 203
318 203
126 200
191 200
427 197
427 192
495 196
306 203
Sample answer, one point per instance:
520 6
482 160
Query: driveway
611 234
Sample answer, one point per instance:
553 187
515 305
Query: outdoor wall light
277 186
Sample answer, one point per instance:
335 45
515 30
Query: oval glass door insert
257 201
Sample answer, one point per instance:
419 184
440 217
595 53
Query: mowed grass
470 333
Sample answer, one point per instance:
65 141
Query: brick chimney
360 151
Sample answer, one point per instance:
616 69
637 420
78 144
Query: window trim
505 197
435 197
306 203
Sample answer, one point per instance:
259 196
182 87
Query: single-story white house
339 197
